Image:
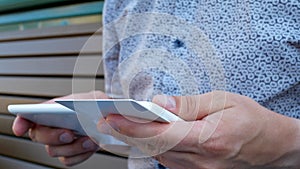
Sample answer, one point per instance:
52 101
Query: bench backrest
36 65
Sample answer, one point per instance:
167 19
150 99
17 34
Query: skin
61 143
221 130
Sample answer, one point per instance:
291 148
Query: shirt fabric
189 47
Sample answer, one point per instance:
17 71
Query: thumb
21 126
186 107
196 107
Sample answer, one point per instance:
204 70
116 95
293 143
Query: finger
21 126
80 146
121 128
154 137
196 107
51 136
130 126
71 161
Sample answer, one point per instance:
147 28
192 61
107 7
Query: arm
222 130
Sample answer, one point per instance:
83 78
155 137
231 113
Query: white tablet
126 107
68 113
52 115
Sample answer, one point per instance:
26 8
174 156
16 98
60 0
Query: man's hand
61 143
222 130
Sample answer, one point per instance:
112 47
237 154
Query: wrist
295 143
291 142
280 138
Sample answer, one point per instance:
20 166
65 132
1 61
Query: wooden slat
54 51
81 9
6 122
47 87
54 66
10 163
30 151
67 45
6 5
7 100
73 30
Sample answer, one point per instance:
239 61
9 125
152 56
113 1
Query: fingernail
66 138
171 103
88 144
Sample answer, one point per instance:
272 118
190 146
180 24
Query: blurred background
40 42
31 14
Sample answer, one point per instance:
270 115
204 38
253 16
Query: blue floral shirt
187 47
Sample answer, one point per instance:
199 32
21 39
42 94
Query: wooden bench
36 65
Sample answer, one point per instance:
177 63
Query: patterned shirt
188 47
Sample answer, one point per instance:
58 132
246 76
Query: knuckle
155 145
215 147
163 145
236 99
66 161
193 107
189 107
32 134
50 151
200 164
220 96
160 158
